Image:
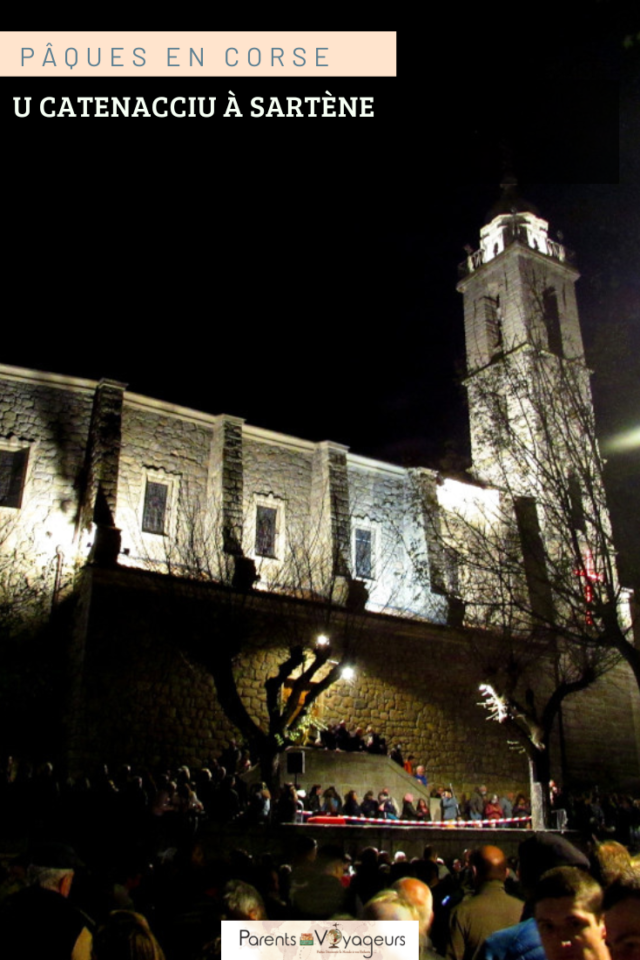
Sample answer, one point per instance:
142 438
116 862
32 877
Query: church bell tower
519 299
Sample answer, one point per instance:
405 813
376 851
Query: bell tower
519 306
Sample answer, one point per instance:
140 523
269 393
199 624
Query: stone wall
141 697
601 732
48 417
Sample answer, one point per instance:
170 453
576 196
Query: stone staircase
355 771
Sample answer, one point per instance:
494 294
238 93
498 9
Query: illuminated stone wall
49 418
85 438
139 697
134 692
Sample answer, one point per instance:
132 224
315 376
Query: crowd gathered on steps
69 898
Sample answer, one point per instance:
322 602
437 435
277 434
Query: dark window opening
533 554
13 467
363 542
576 505
493 320
266 531
552 320
155 507
501 431
445 570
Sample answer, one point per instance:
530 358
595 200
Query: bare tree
527 557
306 602
32 633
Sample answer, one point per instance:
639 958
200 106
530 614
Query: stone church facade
122 501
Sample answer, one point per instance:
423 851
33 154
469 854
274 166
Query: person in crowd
521 807
342 735
409 765
396 755
431 853
244 763
387 807
448 805
243 902
421 775
366 880
40 921
328 738
389 905
351 806
422 810
125 935
489 909
570 917
332 805
609 861
286 810
408 810
477 803
324 894
259 805
303 867
506 802
419 895
227 801
374 743
369 805
230 757
313 800
622 917
185 800
492 809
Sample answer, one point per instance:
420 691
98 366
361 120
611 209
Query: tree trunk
539 783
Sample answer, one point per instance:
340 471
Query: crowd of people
550 903
120 862
384 806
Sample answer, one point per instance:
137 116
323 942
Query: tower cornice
475 266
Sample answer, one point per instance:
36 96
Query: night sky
302 275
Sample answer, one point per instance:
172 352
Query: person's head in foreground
389 905
419 895
622 917
569 914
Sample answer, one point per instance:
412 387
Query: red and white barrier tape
352 821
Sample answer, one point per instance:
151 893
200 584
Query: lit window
13 466
154 513
363 553
266 518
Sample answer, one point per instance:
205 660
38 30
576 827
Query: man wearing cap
39 921
538 853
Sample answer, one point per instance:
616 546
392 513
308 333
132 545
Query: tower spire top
510 200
